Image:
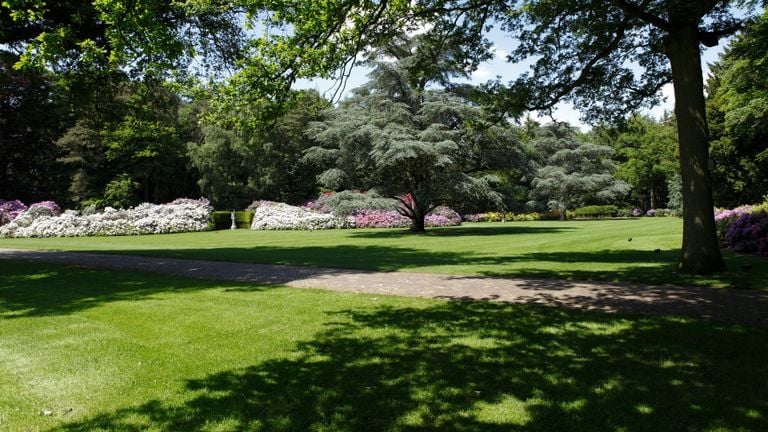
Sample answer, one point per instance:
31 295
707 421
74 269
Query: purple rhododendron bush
744 229
45 219
10 210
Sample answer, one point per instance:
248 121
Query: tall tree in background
574 173
408 141
581 50
80 55
32 116
737 110
240 164
646 152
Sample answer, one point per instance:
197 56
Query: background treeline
92 137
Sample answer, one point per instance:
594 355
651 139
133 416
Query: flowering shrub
749 233
650 213
380 219
10 210
181 215
725 217
443 216
279 216
637 212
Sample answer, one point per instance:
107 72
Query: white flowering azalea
280 216
182 215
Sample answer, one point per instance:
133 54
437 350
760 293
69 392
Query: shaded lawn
577 250
129 352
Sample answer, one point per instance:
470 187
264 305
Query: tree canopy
425 146
574 173
737 110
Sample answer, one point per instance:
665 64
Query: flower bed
516 217
280 216
181 215
439 217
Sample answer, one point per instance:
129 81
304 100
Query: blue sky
503 44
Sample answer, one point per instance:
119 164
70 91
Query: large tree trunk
700 250
418 224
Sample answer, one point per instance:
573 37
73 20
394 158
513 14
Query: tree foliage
148 37
646 152
425 146
737 110
574 173
32 116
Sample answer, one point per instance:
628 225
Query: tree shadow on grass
33 289
643 266
477 366
462 231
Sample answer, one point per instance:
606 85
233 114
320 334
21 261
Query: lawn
613 250
84 350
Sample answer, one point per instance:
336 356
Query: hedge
595 211
222 220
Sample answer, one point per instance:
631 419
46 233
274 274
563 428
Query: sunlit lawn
583 250
115 351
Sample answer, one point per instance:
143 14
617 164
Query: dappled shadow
478 366
463 231
27 291
507 281
647 266
732 306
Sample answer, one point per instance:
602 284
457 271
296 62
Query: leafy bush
666 212
223 219
178 216
596 211
516 217
650 213
346 203
749 233
475 217
637 212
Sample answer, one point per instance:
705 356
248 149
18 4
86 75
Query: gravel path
733 306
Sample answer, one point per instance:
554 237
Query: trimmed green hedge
223 220
597 211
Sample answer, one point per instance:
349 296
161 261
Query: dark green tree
281 173
574 173
424 146
32 115
646 152
148 37
225 161
737 110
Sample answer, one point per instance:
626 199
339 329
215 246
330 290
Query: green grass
137 352
579 250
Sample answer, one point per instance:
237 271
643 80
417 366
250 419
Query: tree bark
418 224
700 251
